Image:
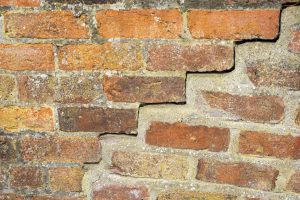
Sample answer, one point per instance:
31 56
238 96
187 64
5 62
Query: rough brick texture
267 144
137 23
172 57
20 57
234 24
239 174
61 149
183 136
149 100
249 108
46 24
144 89
116 191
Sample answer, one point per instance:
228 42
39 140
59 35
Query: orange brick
234 24
20 3
17 118
18 57
185 195
148 23
267 144
11 197
66 179
46 24
121 56
7 87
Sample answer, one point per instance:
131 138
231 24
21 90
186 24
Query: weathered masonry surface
149 100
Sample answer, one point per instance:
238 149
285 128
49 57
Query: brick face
234 24
8 148
239 174
267 144
294 182
16 118
248 108
184 194
121 56
264 75
183 136
20 57
46 25
144 89
180 57
56 197
154 165
21 177
94 119
11 197
66 179
20 3
61 149
7 87
148 23
116 191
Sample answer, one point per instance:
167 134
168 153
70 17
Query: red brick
267 144
294 182
20 3
18 118
195 58
248 108
31 177
183 136
67 179
114 56
234 24
137 164
7 87
195 195
19 57
8 148
39 89
294 45
146 23
119 192
11 197
61 149
56 197
144 89
264 75
96 119
78 89
46 24
239 174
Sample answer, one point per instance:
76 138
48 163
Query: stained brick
147 23
67 179
144 89
3 179
185 194
20 3
294 45
234 24
46 24
21 177
14 118
61 149
294 182
11 197
39 89
117 191
195 58
150 165
248 108
239 174
183 136
79 89
8 148
297 120
56 197
267 144
114 56
263 75
19 57
7 87
75 119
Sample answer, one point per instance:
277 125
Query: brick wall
145 100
